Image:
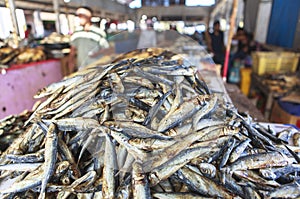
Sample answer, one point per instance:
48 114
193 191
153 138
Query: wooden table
231 94
243 104
258 84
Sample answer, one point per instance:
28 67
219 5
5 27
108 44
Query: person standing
147 38
28 34
28 30
88 41
216 44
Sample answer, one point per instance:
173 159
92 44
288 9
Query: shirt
147 39
217 42
88 43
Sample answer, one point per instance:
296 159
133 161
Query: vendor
88 41
216 44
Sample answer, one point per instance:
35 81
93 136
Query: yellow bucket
245 80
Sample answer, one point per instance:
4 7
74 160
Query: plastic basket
289 61
274 62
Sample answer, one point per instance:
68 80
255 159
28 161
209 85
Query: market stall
146 125
274 76
28 68
156 122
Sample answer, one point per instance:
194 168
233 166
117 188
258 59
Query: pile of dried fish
10 56
145 128
11 127
55 38
7 54
281 83
30 55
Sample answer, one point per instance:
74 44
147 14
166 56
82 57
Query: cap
83 11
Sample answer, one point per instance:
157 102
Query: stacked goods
7 54
30 55
56 42
55 38
11 127
281 83
10 56
145 127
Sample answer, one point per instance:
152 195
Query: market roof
103 7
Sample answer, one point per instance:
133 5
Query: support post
230 35
10 4
56 11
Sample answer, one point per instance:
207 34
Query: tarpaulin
283 22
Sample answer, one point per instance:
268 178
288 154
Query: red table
19 83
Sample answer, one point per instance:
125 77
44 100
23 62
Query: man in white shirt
88 41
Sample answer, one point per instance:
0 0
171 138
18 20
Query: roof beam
101 8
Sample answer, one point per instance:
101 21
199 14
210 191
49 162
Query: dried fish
144 126
202 184
296 139
140 185
109 170
50 157
256 161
